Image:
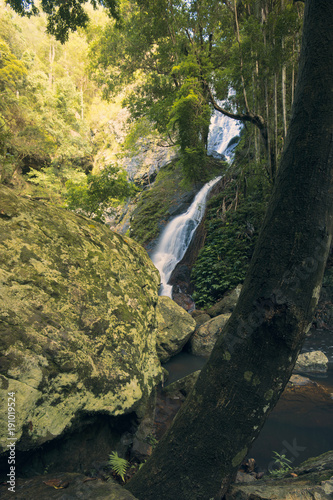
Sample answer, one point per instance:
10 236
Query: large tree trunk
254 357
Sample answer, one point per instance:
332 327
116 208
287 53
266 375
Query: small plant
283 465
119 465
151 439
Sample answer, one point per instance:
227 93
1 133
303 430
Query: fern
119 465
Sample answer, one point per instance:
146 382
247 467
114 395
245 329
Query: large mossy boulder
175 327
78 320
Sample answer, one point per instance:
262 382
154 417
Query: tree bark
255 355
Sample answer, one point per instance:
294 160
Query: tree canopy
62 17
184 58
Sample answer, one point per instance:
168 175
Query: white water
222 129
178 233
177 236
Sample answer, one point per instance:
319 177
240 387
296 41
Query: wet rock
313 481
184 300
72 487
298 380
78 320
226 304
312 362
203 340
175 327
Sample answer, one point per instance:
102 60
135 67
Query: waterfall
223 135
178 233
177 236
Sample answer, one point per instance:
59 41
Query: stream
300 426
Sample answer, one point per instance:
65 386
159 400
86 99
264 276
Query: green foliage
190 118
50 182
174 52
7 168
44 98
282 462
232 225
119 465
12 71
98 192
62 17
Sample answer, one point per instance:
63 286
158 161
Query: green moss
239 457
153 206
248 376
78 329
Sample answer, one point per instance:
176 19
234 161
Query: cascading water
177 236
178 233
223 135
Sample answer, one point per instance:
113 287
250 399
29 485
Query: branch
256 120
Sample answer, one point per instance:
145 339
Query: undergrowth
232 224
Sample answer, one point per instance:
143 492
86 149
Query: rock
76 486
297 380
78 320
200 318
175 327
312 362
242 477
203 340
226 304
198 312
313 481
184 300
183 385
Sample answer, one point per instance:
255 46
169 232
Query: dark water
183 364
299 427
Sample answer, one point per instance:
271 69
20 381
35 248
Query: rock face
313 481
78 321
175 327
312 362
204 339
226 304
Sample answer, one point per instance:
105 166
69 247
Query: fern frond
119 465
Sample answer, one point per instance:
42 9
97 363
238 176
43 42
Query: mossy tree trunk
254 358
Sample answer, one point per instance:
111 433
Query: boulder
175 327
226 304
200 318
203 340
312 362
66 486
313 480
78 321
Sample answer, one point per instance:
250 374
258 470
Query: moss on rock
175 327
78 325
